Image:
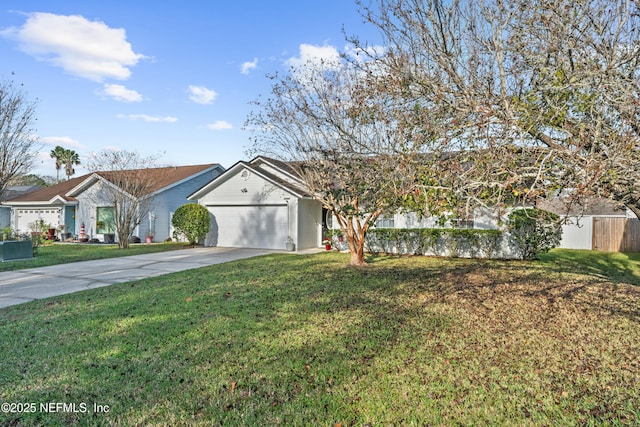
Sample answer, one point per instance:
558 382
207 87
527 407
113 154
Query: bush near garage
191 221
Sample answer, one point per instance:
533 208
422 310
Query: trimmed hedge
435 241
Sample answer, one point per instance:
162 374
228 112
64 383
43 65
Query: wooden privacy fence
611 234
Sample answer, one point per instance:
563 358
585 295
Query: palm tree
58 154
69 159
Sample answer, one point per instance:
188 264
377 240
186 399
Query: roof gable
286 170
161 178
595 206
279 177
50 194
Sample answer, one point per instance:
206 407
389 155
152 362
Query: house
81 203
264 204
261 204
597 224
11 192
49 204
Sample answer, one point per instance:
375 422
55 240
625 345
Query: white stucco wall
88 201
249 190
577 233
309 224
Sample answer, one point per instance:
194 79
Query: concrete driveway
17 287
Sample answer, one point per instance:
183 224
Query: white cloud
365 54
149 119
88 49
63 141
248 66
202 95
220 125
121 93
320 56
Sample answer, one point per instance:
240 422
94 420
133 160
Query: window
385 222
105 220
152 224
461 223
328 219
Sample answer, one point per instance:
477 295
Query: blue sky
159 77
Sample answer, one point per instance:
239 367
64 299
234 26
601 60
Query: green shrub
192 222
431 238
457 240
411 241
7 233
533 231
489 242
438 241
384 240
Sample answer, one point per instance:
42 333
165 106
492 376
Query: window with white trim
105 220
385 222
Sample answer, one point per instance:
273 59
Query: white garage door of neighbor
256 226
26 217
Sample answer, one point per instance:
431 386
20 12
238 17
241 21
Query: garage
249 226
26 217
260 204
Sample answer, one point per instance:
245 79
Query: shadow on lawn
245 343
598 281
233 347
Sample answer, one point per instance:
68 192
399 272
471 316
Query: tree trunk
356 247
355 230
355 234
123 241
357 257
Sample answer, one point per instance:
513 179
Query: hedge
433 241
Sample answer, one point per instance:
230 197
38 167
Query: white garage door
26 218
256 226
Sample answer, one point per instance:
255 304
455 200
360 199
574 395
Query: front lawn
62 253
306 340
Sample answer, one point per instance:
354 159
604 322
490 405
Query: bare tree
541 96
323 119
17 135
126 187
487 102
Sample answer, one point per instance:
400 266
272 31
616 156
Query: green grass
305 340
63 253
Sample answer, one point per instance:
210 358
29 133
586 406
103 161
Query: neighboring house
80 202
597 225
261 204
11 192
49 204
